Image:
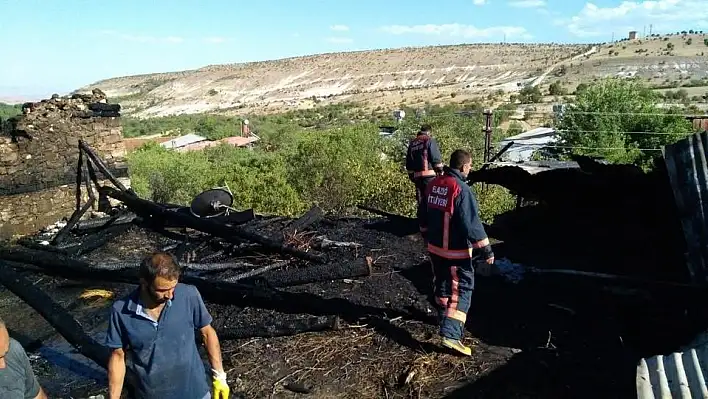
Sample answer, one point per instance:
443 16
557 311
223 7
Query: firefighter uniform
455 237
423 159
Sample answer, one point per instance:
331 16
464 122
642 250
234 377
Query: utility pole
487 130
651 26
613 37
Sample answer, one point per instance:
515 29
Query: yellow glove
220 387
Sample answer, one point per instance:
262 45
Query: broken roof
525 144
533 167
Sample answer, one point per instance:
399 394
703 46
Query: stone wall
39 155
30 212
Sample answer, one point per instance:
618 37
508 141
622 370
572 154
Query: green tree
616 119
581 88
530 95
9 110
556 89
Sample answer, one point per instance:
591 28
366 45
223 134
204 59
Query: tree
530 95
581 88
555 89
615 119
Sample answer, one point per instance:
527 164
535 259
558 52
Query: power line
588 148
571 112
611 131
564 113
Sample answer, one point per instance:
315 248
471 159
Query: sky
56 46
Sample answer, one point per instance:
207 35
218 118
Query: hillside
388 78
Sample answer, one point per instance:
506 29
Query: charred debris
223 251
613 225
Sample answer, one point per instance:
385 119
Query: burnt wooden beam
310 217
58 317
102 167
151 210
316 273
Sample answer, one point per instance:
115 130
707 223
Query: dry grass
355 362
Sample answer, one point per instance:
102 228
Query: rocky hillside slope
407 75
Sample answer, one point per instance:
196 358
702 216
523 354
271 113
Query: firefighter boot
456 345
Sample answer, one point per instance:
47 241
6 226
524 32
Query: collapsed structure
39 157
596 217
590 217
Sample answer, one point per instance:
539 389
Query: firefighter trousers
453 281
421 184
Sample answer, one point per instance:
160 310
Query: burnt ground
544 337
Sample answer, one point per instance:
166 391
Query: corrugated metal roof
687 167
236 141
677 375
534 167
540 133
525 144
183 141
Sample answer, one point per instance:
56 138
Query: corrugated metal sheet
534 167
687 166
677 375
236 141
525 144
183 141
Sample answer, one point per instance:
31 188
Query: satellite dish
211 203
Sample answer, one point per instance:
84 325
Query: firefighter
456 239
423 163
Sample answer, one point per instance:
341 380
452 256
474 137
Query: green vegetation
333 156
556 89
215 126
293 167
9 110
618 119
530 95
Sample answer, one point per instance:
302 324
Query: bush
291 169
614 119
530 95
257 180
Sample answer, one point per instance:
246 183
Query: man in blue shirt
152 334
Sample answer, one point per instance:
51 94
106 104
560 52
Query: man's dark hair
159 264
459 158
426 128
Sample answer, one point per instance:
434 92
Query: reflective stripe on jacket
453 225
423 156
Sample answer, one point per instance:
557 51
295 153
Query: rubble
39 157
599 218
325 323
